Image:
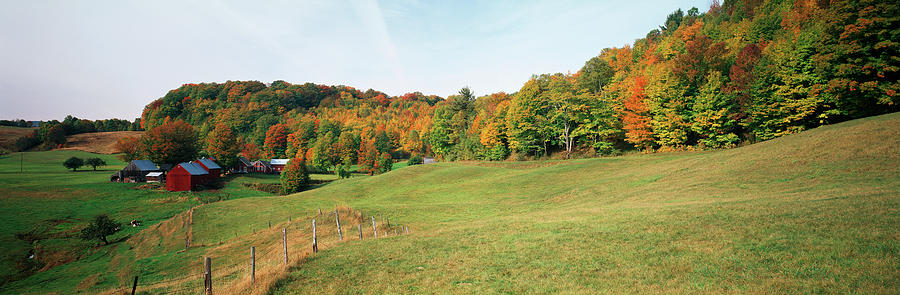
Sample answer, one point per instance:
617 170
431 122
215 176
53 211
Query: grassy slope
51 203
810 212
817 211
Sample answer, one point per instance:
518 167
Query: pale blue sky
107 59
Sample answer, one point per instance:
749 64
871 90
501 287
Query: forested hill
742 71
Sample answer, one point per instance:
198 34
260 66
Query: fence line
240 269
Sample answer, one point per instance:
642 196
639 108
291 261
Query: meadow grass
815 212
44 205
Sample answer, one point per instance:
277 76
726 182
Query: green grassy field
44 205
815 212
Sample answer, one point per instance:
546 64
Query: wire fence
270 256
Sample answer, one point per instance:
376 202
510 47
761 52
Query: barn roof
264 163
245 161
209 163
145 165
193 169
279 161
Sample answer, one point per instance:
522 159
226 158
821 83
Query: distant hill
9 135
98 142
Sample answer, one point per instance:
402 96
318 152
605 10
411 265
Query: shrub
295 176
343 171
415 160
385 163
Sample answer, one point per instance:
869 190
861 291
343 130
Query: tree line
742 72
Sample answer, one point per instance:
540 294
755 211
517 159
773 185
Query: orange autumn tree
251 151
172 142
636 119
276 141
130 147
368 156
223 145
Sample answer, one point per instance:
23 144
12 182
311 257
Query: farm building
261 166
243 166
165 167
155 177
278 164
185 177
136 171
210 166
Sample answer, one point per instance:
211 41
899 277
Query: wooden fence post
315 243
320 211
284 242
359 229
270 224
337 219
252 266
208 276
374 228
187 242
134 286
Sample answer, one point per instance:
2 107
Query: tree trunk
104 240
567 138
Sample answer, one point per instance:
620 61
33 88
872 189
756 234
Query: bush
385 163
295 176
415 160
343 171
73 163
26 142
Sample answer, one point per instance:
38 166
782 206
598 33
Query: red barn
185 176
211 167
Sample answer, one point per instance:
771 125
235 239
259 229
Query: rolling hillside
807 213
98 142
9 135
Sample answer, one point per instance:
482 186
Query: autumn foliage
173 142
743 71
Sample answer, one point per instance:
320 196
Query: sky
108 59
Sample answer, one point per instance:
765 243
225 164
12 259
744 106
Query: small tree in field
73 163
295 176
99 229
95 162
